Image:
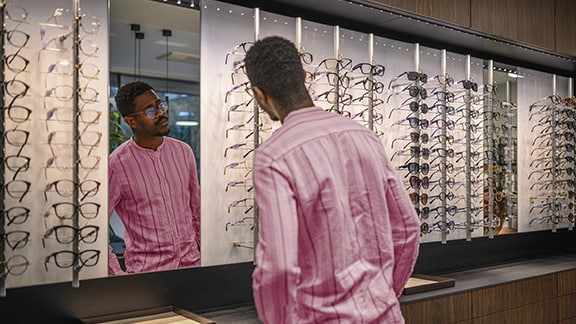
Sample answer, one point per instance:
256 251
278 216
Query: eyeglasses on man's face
152 111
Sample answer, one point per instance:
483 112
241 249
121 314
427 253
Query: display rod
76 139
490 148
468 165
337 68
256 131
417 115
3 272
444 158
371 78
510 155
570 95
554 216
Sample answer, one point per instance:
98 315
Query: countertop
466 280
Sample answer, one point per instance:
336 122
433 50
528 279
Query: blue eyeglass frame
152 111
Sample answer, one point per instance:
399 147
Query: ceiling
150 52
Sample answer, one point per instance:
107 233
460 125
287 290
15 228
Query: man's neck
149 142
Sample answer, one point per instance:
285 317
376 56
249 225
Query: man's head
142 109
275 72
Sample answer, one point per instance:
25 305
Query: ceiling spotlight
179 2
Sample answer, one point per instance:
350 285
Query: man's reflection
153 188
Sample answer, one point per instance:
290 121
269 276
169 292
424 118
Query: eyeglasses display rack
54 184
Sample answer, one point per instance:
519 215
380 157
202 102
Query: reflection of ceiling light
187 123
515 75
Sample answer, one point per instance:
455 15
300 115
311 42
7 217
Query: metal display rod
2 207
256 132
75 105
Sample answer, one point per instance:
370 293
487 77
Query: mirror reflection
500 131
154 179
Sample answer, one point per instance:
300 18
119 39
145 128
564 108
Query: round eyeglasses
152 111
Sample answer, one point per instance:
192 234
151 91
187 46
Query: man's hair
127 94
273 65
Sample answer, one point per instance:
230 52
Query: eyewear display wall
55 134
431 108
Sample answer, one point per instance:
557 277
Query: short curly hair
127 94
273 65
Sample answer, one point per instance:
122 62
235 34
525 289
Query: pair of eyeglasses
469 85
67 234
67 210
16 215
18 39
15 239
241 48
16 63
243 221
246 87
68 115
417 182
411 76
247 203
239 184
333 97
18 114
369 85
242 107
334 64
422 198
370 69
367 99
414 107
414 122
239 146
17 189
16 88
305 57
444 226
66 188
17 164
69 259
63 139
413 137
377 117
65 93
415 168
443 196
415 152
15 265
330 78
63 43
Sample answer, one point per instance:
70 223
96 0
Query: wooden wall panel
526 21
567 307
497 299
566 27
451 309
567 283
539 313
455 12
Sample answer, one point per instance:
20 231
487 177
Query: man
338 233
153 186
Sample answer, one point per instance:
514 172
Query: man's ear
261 97
130 121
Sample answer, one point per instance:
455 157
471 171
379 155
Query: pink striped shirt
338 232
157 197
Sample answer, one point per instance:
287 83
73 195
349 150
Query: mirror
501 142
158 43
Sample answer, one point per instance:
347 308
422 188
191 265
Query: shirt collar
143 149
301 113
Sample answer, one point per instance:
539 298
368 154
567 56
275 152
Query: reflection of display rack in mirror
53 183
